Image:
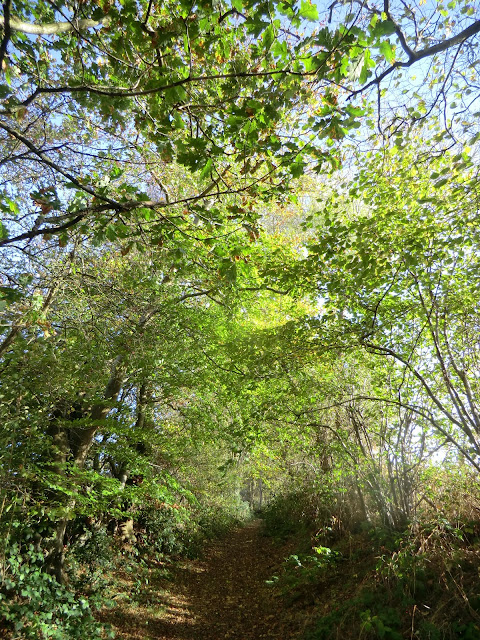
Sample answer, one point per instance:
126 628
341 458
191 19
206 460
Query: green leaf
297 169
354 111
146 213
384 28
206 169
308 11
228 270
268 37
10 295
387 51
280 49
3 231
4 91
111 232
364 72
178 121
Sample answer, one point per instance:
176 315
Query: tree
141 148
403 283
236 92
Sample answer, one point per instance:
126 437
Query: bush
216 520
301 571
35 605
367 616
95 549
172 529
163 528
289 514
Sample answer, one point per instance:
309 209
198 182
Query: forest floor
371 586
222 596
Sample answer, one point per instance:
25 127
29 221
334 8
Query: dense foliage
239 272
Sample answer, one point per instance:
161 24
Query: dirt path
221 597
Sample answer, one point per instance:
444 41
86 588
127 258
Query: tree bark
81 439
73 445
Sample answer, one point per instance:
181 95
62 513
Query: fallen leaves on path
224 596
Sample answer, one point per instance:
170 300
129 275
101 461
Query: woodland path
223 596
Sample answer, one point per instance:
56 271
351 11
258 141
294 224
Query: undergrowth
102 570
34 605
374 583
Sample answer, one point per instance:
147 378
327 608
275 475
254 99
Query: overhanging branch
416 56
126 92
52 28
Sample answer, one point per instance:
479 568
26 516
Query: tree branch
50 28
40 154
424 413
377 349
29 235
125 92
460 38
415 56
231 12
410 53
10 338
6 20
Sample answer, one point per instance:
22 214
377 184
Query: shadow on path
221 597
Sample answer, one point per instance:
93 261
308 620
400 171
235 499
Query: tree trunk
73 445
81 439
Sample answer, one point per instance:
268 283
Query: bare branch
424 413
40 154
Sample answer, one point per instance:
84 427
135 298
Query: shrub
303 570
288 515
35 605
